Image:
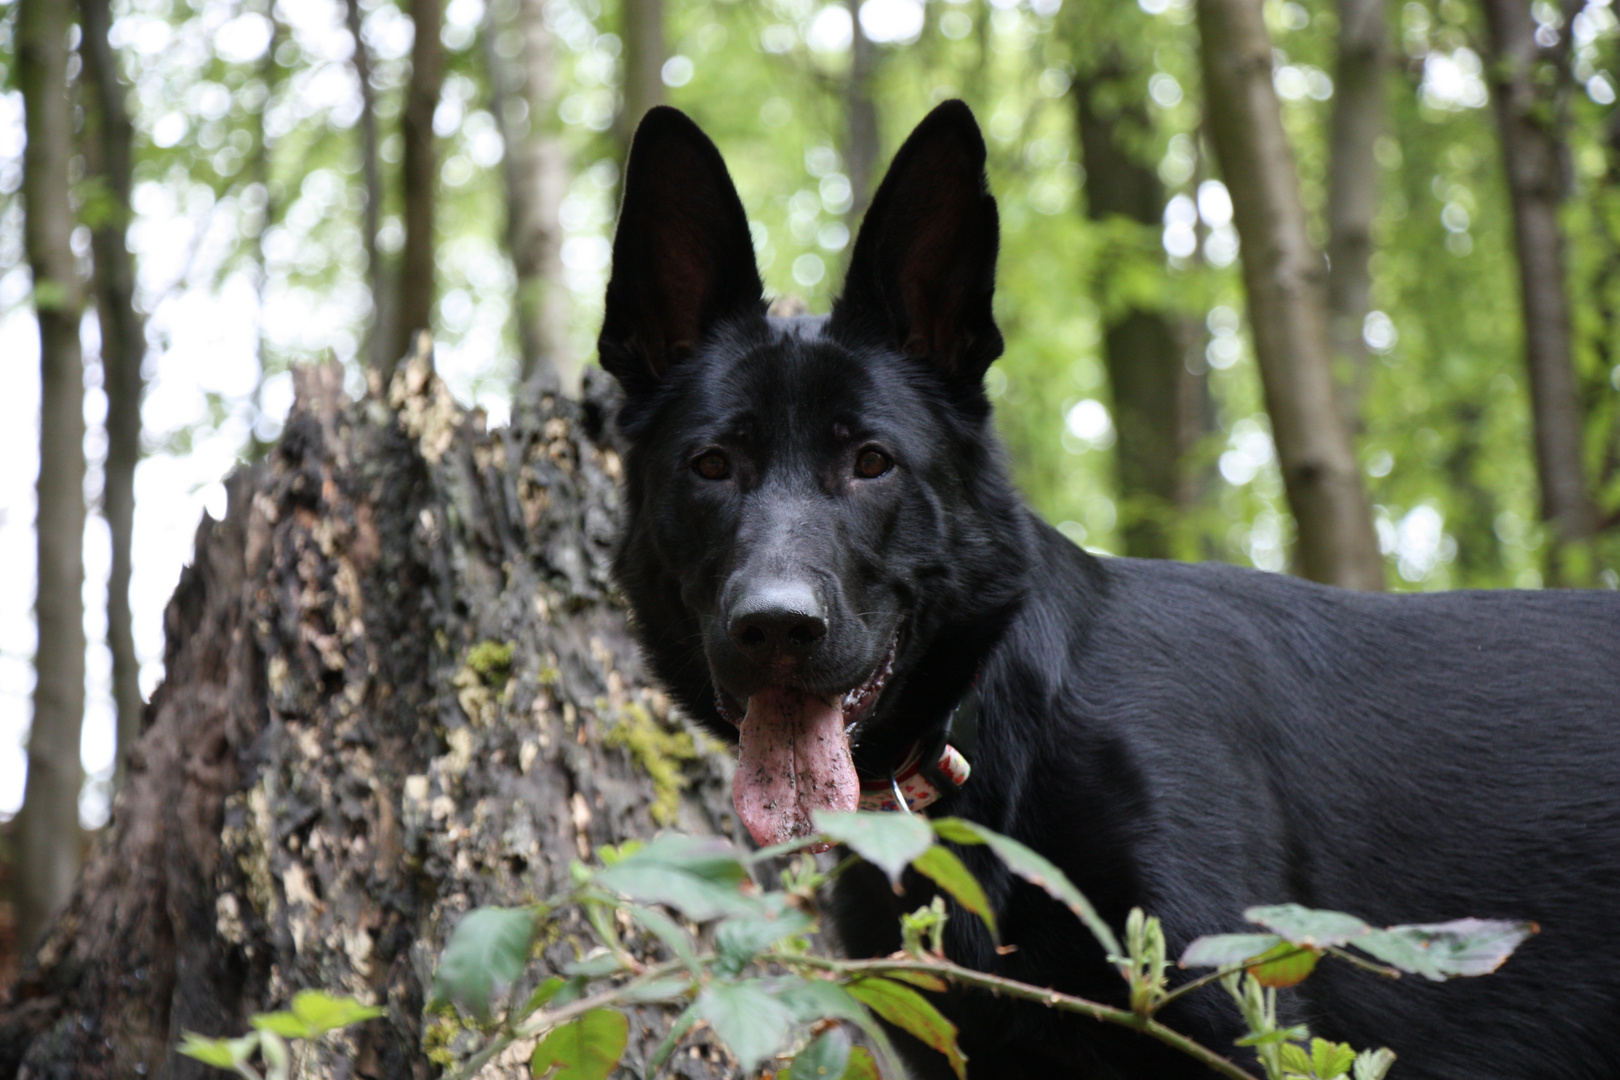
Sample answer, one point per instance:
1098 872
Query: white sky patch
892 21
831 30
1452 81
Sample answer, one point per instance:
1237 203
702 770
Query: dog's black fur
1190 739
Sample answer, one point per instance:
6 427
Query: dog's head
820 541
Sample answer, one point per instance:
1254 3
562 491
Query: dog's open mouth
796 755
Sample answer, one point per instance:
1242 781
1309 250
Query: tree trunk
1526 82
641 65
1353 185
1283 276
535 167
399 686
46 831
377 339
123 349
1144 349
862 141
416 272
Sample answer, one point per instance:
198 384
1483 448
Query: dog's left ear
683 258
923 270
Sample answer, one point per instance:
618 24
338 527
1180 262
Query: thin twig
1221 973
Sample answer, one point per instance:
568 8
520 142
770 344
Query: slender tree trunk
1526 83
123 349
377 339
416 280
862 141
332 775
1353 184
1144 349
1283 274
535 168
641 65
46 830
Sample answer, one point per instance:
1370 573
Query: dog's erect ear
682 255
923 271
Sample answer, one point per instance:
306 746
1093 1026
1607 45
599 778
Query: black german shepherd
827 562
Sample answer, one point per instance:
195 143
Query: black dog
827 561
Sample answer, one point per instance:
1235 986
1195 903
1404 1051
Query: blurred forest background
197 195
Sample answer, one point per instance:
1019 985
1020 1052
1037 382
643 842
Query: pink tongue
795 760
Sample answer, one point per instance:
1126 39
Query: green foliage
485 955
586 1048
313 1014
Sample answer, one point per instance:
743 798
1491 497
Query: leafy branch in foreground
739 963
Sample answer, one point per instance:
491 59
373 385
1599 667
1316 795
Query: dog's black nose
776 621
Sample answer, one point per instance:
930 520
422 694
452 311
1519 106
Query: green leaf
1284 965
862 1066
813 1000
947 871
284 1024
1039 871
485 955
671 989
888 841
919 979
667 930
1295 1059
1447 950
683 1023
825 1058
544 993
586 1048
956 831
753 1023
1307 926
739 940
220 1053
1373 1064
911 1012
1330 1060
316 1013
1224 950
699 876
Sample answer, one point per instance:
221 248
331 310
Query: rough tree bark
399 686
123 348
641 66
420 181
535 168
1157 400
46 830
1353 184
1283 277
1526 81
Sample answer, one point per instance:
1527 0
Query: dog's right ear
682 255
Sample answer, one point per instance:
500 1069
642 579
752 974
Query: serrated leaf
948 872
1447 950
826 1058
586 1048
911 1012
1295 1059
955 830
1224 950
1330 1060
752 1023
220 1053
1373 1064
862 1066
1308 926
1040 872
484 957
667 930
1283 965
739 940
888 841
699 876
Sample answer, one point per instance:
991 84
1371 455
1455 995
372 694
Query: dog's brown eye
712 465
871 463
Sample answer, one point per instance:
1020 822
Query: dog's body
824 554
